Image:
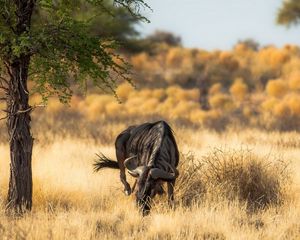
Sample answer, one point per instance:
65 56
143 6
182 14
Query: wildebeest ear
157 173
131 162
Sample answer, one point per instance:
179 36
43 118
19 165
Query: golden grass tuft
240 174
230 174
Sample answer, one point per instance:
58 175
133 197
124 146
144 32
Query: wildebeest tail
104 162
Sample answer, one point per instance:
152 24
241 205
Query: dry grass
72 202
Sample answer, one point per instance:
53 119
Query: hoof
127 192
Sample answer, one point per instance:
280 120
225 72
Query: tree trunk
20 139
18 110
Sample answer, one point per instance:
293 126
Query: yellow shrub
269 104
239 89
273 57
197 115
282 110
187 65
158 94
294 80
140 61
277 88
173 91
221 101
134 101
293 102
183 94
167 106
149 106
247 112
174 57
278 57
215 88
225 56
188 95
227 59
291 49
291 66
145 93
95 105
183 109
212 114
240 47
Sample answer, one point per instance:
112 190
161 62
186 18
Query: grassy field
217 170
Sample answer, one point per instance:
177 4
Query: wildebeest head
149 180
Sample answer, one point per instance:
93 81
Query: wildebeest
150 154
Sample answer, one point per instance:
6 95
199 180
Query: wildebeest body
150 153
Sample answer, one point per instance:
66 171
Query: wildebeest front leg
171 193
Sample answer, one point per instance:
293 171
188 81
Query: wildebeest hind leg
120 152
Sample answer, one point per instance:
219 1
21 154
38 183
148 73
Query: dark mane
146 140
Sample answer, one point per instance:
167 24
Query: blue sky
219 24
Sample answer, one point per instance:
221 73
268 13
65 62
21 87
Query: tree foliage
289 13
106 21
62 47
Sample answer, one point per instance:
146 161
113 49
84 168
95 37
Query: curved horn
137 172
132 167
157 173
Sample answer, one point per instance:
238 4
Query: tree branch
3 88
30 108
133 7
8 69
3 118
4 80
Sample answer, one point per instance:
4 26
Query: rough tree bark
20 139
18 123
